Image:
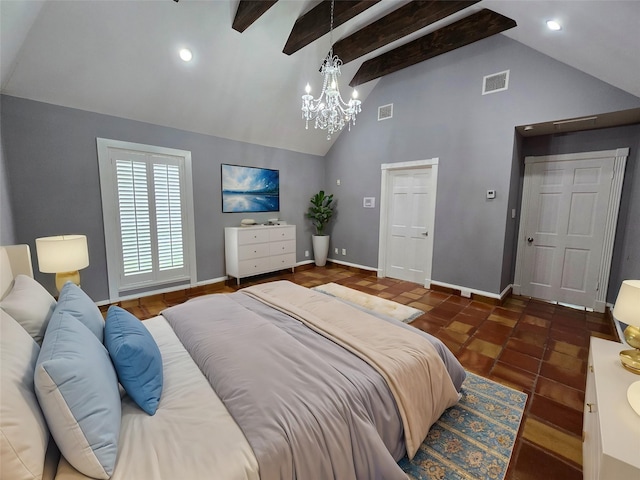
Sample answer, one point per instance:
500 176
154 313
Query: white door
566 227
410 225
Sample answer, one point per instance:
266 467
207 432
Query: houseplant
320 212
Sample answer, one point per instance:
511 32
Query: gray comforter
309 408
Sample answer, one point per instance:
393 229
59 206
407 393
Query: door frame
385 204
620 158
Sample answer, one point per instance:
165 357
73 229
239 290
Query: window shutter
166 180
135 227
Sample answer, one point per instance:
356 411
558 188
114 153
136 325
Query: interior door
564 229
409 235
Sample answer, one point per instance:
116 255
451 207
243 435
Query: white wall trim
384 202
498 296
355 265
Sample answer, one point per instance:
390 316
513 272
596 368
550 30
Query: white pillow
30 305
23 431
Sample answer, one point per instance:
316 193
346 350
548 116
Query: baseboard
474 294
354 266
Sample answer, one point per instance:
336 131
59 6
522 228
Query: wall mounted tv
250 189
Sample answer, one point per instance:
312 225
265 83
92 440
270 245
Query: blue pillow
77 389
78 304
136 357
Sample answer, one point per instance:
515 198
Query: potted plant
320 212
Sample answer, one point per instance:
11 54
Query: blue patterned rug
473 439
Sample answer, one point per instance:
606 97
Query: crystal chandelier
329 111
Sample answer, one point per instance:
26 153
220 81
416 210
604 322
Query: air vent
496 82
385 112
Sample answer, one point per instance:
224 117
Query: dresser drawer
250 236
279 262
287 233
280 248
254 266
255 250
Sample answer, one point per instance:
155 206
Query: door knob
426 234
530 239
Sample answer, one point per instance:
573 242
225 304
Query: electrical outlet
336 250
344 251
306 253
337 183
465 293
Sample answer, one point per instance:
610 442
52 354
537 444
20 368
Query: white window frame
111 215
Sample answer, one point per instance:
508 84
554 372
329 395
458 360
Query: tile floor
532 346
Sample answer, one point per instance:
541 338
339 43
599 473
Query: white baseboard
498 296
355 265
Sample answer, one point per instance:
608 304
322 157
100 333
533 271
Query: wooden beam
249 11
401 22
475 27
316 22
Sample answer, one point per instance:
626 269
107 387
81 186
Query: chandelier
329 111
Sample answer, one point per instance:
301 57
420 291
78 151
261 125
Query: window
148 215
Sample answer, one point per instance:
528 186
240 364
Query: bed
275 381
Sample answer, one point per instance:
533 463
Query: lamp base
631 360
64 277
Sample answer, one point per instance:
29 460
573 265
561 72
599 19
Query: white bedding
191 436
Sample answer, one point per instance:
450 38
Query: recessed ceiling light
554 25
186 55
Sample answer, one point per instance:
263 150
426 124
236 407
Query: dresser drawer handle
590 405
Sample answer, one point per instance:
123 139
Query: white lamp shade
627 308
63 253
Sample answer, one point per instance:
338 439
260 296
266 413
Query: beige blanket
409 363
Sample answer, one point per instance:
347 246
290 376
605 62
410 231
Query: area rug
383 306
474 439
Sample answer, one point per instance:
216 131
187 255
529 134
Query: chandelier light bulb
307 89
186 55
354 94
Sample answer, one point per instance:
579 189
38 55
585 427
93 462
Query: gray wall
50 152
7 236
625 263
439 112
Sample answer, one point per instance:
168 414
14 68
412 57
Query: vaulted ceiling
253 58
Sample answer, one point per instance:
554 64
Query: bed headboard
14 260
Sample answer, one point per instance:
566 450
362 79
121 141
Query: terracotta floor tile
526 348
566 362
557 414
502 320
560 443
560 393
513 375
485 348
553 372
460 327
531 338
533 463
469 319
475 361
572 350
540 322
491 336
520 360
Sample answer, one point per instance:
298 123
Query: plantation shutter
168 216
150 211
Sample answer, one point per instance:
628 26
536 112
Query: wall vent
385 112
496 82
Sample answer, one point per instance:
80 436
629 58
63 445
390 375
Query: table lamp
627 310
63 255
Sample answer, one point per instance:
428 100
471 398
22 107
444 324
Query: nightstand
611 429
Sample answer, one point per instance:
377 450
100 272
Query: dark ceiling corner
248 12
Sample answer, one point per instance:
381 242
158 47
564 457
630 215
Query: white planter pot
320 249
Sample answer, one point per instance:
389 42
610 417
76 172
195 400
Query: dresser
260 249
611 436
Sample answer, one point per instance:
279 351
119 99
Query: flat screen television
250 189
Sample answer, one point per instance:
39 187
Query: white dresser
261 249
611 436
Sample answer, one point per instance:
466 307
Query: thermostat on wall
369 202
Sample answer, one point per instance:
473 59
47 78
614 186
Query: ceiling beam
470 29
249 11
316 22
401 22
